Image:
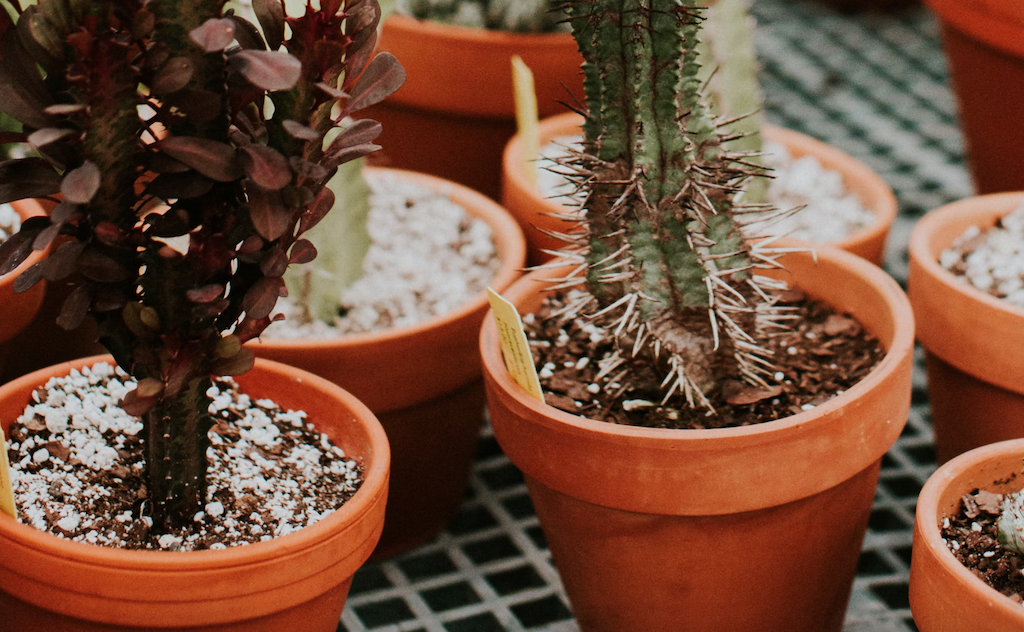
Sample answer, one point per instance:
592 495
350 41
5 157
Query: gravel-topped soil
427 257
10 221
828 211
824 354
973 538
77 468
991 260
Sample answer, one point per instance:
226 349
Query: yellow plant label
526 115
6 489
515 348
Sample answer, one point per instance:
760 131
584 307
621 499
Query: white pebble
215 508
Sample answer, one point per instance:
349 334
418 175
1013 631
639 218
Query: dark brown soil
973 538
821 356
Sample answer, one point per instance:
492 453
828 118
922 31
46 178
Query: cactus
523 16
660 243
242 185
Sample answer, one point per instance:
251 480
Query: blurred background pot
18 309
972 340
455 112
984 45
423 383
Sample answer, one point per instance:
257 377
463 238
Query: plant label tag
515 348
6 489
526 116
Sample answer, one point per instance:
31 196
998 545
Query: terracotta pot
455 112
984 44
944 595
732 530
18 309
423 383
975 381
532 208
295 582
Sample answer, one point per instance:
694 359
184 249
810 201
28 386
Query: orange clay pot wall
732 530
455 112
532 209
944 595
297 582
984 44
423 383
17 310
972 340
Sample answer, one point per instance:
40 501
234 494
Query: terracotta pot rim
417 27
997 23
884 211
927 517
972 211
505 232
375 479
902 343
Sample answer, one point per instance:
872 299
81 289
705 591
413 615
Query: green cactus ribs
659 240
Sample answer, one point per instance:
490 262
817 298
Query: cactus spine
662 246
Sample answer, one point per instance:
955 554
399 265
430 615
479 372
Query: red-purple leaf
24 96
81 184
97 266
270 14
259 301
46 237
173 75
13 137
333 92
382 77
75 308
350 153
214 160
206 293
246 34
61 264
300 131
239 364
308 171
63 212
303 251
268 213
358 133
267 168
109 233
27 178
27 279
322 204
269 70
212 309
14 250
47 135
134 404
214 35
250 245
184 186
274 263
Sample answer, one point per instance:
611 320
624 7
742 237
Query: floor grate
871 84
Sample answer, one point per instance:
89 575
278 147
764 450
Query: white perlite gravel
830 213
267 467
10 221
427 257
991 260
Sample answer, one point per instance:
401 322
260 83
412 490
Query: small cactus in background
524 16
660 243
204 163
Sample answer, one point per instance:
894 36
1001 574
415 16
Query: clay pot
944 595
295 582
455 112
19 309
423 383
984 44
732 530
975 376
532 209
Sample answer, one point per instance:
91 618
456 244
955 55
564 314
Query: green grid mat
873 85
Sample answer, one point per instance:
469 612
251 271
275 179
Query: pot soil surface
77 468
583 372
972 536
